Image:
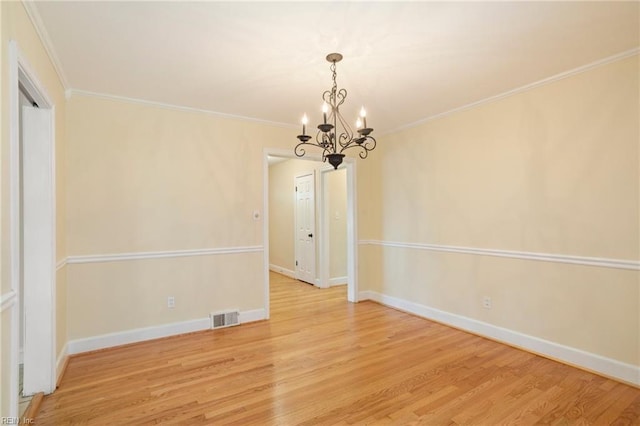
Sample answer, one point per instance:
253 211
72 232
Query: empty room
318 213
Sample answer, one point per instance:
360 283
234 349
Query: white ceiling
405 61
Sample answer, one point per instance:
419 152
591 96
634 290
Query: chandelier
334 135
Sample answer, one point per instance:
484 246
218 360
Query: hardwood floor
321 360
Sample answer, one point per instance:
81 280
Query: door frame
352 223
324 273
43 309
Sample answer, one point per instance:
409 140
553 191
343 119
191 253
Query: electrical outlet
486 302
171 302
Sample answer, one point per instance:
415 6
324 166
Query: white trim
14 224
61 264
61 360
324 251
265 235
154 332
526 87
118 257
14 357
590 361
41 30
28 78
21 73
38 249
73 92
136 335
324 242
284 271
523 255
252 316
338 281
8 300
352 231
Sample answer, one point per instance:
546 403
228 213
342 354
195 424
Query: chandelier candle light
334 135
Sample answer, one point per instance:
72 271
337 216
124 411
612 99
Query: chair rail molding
118 257
523 255
8 300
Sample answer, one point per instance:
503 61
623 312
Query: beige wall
337 208
15 25
147 179
108 297
554 170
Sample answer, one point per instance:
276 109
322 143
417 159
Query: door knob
310 235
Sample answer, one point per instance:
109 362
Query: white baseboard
338 281
284 271
292 274
606 366
149 333
253 315
61 362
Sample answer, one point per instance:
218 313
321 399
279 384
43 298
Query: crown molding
38 25
78 92
614 58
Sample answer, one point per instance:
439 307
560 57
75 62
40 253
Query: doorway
273 225
31 231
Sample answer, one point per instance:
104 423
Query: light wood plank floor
321 360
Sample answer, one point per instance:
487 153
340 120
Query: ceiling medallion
334 135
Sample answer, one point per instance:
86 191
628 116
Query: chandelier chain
334 75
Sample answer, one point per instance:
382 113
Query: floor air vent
224 319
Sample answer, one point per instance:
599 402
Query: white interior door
305 228
38 252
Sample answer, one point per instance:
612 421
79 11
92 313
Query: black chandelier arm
369 144
364 153
300 151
